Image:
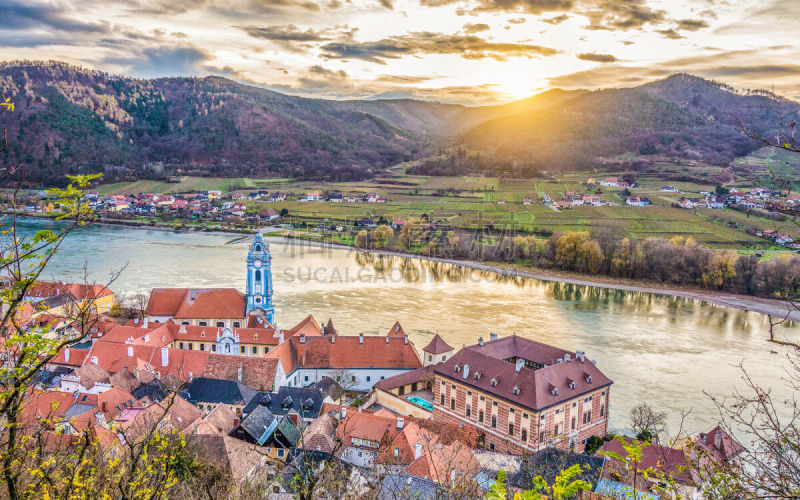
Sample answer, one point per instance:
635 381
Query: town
260 401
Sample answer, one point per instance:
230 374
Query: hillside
69 120
72 120
681 118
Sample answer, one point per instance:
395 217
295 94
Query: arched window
258 248
258 276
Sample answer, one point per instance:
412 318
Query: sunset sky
473 52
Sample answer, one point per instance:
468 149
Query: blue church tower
259 279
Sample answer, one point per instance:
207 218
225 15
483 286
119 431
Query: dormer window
588 378
494 382
203 333
477 375
571 384
458 368
553 390
516 390
255 336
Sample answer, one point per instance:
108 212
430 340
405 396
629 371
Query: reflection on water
660 349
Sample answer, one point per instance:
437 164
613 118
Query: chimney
103 406
191 376
387 339
492 336
360 338
400 423
718 439
465 371
417 450
135 321
144 322
239 373
130 351
480 340
66 355
302 338
344 413
333 339
280 339
580 355
520 364
164 356
182 329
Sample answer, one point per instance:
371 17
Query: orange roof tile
196 303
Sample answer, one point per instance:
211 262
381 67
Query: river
663 350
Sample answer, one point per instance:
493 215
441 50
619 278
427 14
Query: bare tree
645 419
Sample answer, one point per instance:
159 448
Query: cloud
471 28
154 62
403 79
289 33
18 16
517 20
691 24
556 20
467 46
603 58
671 34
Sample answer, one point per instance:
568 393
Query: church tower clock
259 279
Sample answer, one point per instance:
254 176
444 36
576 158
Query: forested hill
682 117
72 120
68 119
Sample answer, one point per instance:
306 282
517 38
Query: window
468 411
511 411
453 404
494 403
255 350
574 423
494 421
430 357
203 333
556 430
469 393
258 275
401 390
524 415
602 410
185 322
236 324
541 437
213 347
396 452
524 436
180 345
353 378
258 300
190 346
281 451
587 417
482 398
241 349
444 357
603 393
441 399
202 323
306 378
266 349
202 347
491 446
220 324
480 416
453 386
510 429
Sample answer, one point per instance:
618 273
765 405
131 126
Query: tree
362 239
139 303
383 236
644 418
412 233
566 485
345 378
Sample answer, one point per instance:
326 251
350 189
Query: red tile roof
258 373
728 447
396 330
196 303
346 352
671 462
437 345
535 386
409 377
78 290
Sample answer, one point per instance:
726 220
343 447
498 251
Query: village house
56 297
523 395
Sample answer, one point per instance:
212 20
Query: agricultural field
472 203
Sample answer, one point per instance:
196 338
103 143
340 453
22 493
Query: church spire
259 279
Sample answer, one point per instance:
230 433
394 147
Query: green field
472 202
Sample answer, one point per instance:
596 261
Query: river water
659 349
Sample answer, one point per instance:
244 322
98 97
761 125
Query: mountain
69 120
680 118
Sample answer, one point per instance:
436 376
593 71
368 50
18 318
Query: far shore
778 309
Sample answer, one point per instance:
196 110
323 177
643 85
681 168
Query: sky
465 51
